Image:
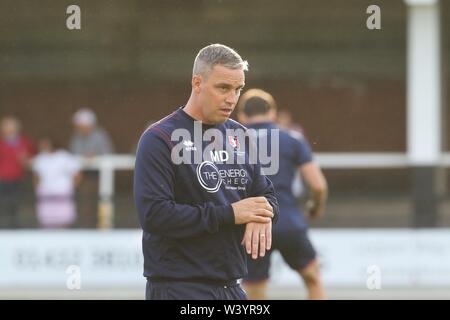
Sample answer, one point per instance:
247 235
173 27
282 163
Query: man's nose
232 97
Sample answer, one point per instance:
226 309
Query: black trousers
10 194
87 200
187 290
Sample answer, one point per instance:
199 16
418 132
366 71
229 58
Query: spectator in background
89 141
56 173
15 152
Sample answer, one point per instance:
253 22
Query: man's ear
196 82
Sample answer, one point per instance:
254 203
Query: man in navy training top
200 219
257 110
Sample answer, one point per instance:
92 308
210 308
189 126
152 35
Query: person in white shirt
56 173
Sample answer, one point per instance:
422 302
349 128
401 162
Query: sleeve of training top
303 153
154 182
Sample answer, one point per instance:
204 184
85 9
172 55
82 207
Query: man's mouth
227 111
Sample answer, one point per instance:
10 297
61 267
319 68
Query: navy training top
185 209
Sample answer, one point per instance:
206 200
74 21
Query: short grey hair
217 54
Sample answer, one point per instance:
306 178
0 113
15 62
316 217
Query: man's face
219 92
9 128
84 129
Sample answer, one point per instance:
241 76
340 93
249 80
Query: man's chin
218 120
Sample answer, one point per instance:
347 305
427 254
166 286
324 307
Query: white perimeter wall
113 259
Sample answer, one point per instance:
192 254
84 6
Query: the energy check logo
211 178
208 176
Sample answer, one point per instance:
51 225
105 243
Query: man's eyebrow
222 84
227 85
